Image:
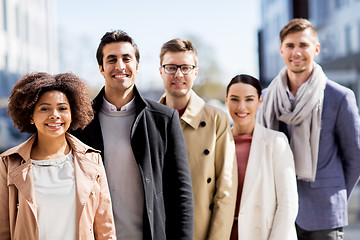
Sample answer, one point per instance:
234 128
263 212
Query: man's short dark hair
115 36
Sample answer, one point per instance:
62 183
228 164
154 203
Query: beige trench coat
18 215
212 159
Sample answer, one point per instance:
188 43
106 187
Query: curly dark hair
27 91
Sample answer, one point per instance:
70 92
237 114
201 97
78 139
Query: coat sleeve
104 226
348 133
286 190
4 203
226 182
178 195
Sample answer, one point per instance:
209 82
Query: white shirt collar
290 95
112 108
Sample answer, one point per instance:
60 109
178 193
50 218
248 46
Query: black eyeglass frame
177 67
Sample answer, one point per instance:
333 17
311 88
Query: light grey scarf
305 117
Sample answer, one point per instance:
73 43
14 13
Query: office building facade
28 43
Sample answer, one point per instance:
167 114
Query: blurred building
28 42
338 26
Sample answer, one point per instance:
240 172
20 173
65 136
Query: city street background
231 36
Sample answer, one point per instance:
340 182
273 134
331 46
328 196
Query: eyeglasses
172 68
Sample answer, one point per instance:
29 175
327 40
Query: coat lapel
86 173
21 177
193 109
193 112
20 173
256 158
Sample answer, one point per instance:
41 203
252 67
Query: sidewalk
352 232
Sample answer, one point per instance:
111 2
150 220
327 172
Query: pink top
242 148
181 112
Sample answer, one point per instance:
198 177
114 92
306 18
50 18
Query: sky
226 30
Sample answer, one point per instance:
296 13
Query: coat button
208 180
211 207
203 123
206 152
257 209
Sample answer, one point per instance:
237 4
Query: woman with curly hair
53 186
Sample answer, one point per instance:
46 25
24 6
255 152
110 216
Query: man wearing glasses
208 139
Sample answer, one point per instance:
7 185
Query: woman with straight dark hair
267 200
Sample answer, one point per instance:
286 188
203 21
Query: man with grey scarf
321 120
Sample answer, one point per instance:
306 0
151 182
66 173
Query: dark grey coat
160 152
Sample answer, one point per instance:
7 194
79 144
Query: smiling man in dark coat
143 150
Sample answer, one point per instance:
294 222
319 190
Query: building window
341 3
27 23
6 63
5 16
358 37
17 12
348 39
321 12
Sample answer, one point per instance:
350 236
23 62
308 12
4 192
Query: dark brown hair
297 25
115 36
247 79
178 45
27 91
